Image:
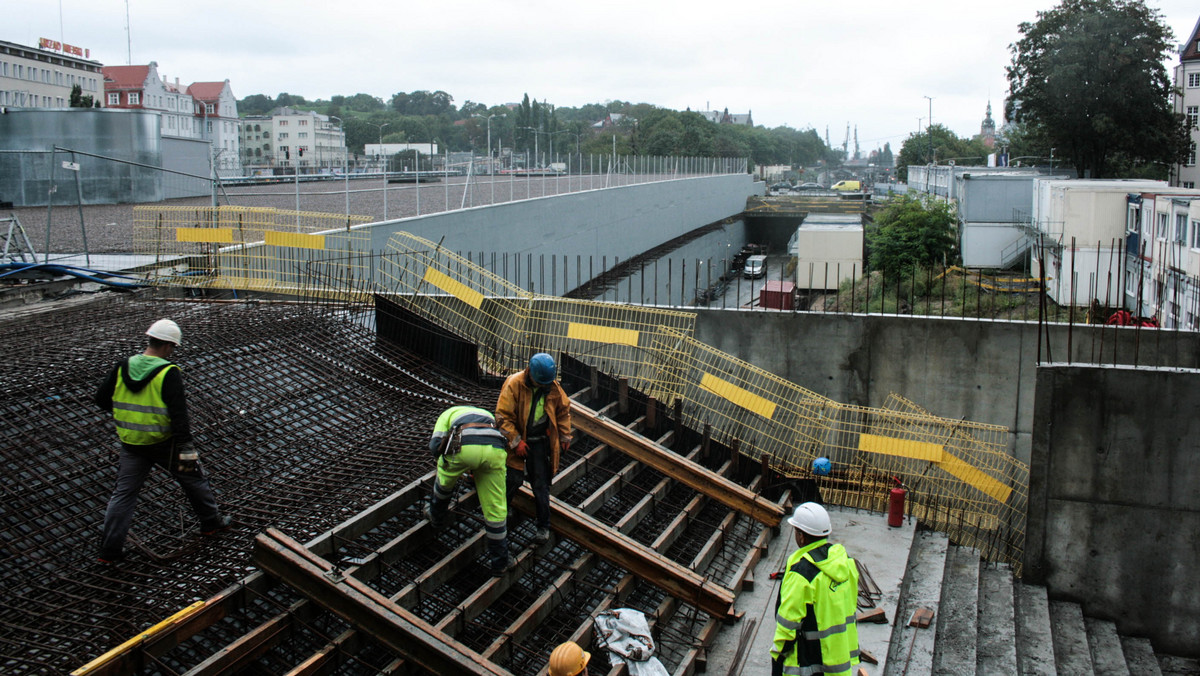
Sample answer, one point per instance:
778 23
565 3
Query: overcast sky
804 63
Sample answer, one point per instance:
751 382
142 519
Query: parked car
810 186
756 266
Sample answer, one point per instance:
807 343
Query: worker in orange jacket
534 413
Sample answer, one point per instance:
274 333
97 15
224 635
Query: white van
756 266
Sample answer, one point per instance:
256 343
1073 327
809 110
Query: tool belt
453 443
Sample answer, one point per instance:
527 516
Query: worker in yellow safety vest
145 395
815 631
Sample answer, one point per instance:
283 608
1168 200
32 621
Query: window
1193 114
303 134
1162 227
208 108
1195 234
303 122
1190 185
1193 80
283 135
1191 158
114 99
1181 228
283 123
134 98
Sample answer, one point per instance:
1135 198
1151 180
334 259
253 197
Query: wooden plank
633 556
367 609
686 471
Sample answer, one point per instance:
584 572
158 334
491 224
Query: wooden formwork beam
685 471
352 600
635 557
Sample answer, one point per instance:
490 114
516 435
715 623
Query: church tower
987 130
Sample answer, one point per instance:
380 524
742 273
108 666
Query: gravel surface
109 227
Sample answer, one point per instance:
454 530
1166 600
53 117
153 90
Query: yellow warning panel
602 334
738 395
904 448
453 287
213 235
972 475
295 240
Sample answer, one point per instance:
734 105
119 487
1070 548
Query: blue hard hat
542 369
822 467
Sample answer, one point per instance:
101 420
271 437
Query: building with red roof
141 88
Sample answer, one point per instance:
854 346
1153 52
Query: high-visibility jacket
458 416
815 632
141 414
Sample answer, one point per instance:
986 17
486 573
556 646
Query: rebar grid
302 420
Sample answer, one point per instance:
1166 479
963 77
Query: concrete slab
867 538
1035 638
1139 656
1107 656
997 648
911 648
1071 653
958 616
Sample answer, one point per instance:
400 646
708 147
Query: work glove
187 459
564 443
522 449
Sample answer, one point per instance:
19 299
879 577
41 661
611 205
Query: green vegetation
1088 79
78 100
911 232
642 129
938 292
916 150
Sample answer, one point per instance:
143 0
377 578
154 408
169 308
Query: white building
141 88
216 113
1081 226
256 139
43 77
307 140
828 249
1162 272
1187 102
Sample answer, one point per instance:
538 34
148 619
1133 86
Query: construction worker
568 659
815 631
465 438
535 415
145 395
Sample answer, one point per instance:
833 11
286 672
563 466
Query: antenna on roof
128 39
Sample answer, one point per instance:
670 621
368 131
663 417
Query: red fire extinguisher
896 504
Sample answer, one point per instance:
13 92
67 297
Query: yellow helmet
569 659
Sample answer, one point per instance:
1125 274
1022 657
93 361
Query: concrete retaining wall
1114 508
983 371
614 222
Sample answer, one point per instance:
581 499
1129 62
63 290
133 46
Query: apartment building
256 141
216 112
307 141
42 77
142 88
1187 103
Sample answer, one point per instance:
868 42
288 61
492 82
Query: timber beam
673 465
635 557
360 605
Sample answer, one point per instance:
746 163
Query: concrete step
958 615
1139 656
1178 666
910 650
1035 639
1105 646
1071 653
997 643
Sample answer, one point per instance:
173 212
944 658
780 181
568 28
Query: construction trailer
1080 228
828 249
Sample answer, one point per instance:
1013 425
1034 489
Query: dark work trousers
134 467
537 470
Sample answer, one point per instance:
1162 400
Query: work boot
542 536
509 564
223 522
436 522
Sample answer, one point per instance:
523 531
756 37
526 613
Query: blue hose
7 269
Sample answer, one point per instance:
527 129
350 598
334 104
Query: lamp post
385 168
929 127
346 174
489 151
535 131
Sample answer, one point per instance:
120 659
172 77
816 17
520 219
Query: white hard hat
812 519
165 329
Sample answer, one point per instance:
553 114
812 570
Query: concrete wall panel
1113 500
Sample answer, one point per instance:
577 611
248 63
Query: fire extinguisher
896 504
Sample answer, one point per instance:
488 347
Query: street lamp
342 128
535 131
930 127
385 168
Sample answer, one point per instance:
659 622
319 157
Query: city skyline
820 67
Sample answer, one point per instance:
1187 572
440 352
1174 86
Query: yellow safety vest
141 416
815 631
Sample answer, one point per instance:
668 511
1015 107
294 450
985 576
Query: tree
78 100
946 146
1089 75
911 232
